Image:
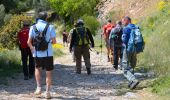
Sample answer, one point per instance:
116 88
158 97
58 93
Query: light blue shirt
50 34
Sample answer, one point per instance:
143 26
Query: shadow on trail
70 85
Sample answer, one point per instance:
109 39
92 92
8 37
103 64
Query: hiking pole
101 46
95 51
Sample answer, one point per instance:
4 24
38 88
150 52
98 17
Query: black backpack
118 37
39 40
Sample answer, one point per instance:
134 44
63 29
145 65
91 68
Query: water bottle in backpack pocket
136 43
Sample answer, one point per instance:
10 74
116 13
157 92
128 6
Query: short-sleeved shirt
50 34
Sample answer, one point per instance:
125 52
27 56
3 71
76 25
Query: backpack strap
35 29
45 30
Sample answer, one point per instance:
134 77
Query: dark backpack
117 37
39 41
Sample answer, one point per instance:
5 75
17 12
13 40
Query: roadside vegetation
12 15
156 55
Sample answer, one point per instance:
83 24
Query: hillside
153 18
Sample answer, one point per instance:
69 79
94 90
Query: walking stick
101 46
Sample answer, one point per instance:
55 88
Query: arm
53 35
72 39
30 39
125 35
90 37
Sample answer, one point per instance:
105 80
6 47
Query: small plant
162 5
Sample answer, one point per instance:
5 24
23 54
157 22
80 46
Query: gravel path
103 84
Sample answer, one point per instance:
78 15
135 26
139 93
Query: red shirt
23 37
107 29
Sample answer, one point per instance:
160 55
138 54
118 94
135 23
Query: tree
73 9
2 14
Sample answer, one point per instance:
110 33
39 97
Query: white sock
38 88
47 89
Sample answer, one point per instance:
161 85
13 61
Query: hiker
132 45
106 33
69 40
115 39
41 37
26 55
65 35
81 38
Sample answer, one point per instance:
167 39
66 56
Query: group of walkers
124 41
36 43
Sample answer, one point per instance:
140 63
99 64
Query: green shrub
92 23
8 33
9 62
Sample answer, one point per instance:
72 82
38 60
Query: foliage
161 5
155 57
9 62
162 85
92 23
114 15
9 31
2 14
73 9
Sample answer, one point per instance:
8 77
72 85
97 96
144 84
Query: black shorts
44 63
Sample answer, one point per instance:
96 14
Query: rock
130 95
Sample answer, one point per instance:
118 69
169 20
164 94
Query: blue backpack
136 43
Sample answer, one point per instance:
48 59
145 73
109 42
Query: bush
2 14
9 62
8 33
92 23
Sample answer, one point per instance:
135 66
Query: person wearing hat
26 55
81 40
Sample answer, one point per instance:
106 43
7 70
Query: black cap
80 22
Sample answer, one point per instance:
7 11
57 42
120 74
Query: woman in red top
28 69
106 33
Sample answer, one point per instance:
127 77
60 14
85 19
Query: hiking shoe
78 72
134 84
108 59
38 92
26 78
130 83
48 95
88 71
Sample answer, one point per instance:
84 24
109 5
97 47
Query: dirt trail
103 84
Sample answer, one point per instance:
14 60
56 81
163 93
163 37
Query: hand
32 49
92 45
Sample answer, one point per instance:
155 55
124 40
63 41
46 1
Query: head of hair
128 18
26 23
42 15
109 20
119 23
80 22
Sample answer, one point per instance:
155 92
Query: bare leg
38 76
48 80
